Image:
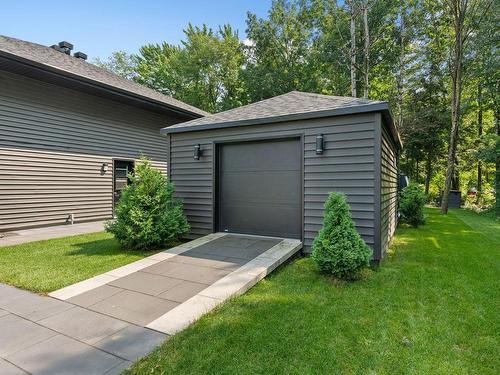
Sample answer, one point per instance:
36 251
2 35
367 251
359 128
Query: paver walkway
47 233
100 325
42 335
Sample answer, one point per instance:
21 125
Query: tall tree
366 51
279 55
352 19
464 16
205 71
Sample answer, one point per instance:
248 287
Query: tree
147 215
352 18
280 52
464 16
120 63
339 249
205 71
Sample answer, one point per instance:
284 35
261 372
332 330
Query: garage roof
291 106
49 59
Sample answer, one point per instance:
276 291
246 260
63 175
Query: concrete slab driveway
101 325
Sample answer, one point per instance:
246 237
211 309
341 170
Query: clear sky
101 27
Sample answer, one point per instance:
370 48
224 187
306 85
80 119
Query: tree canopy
435 61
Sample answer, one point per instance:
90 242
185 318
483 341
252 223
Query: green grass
44 266
431 308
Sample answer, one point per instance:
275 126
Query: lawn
44 266
431 308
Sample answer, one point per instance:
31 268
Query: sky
98 28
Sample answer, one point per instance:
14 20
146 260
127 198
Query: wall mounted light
319 144
104 167
197 152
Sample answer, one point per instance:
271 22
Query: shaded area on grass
44 266
431 308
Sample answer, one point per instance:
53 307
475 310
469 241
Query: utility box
454 199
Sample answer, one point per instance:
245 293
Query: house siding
388 189
53 142
346 165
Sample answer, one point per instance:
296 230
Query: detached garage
268 167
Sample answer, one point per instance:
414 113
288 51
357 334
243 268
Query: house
267 168
69 133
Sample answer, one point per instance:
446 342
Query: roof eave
98 85
349 110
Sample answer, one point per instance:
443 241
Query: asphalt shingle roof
286 107
59 61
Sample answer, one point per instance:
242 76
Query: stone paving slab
133 307
84 325
18 333
71 357
7 368
131 343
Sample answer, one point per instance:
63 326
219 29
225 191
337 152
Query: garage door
259 188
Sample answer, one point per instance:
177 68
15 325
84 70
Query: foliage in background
147 215
339 249
411 205
306 45
121 63
205 71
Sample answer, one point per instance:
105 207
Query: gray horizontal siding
53 142
389 189
347 165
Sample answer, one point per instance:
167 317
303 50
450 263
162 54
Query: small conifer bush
339 249
411 205
147 216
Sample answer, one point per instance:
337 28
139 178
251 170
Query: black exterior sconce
197 152
319 144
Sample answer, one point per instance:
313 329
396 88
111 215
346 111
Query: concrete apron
169 290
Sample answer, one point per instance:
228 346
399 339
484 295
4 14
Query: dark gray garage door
259 188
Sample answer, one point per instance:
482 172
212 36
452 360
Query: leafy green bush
411 204
147 216
339 249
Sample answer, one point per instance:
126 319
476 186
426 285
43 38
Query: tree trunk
428 173
401 68
458 10
367 49
497 170
480 133
352 13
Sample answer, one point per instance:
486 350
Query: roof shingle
281 108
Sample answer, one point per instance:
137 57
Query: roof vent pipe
66 47
80 55
56 47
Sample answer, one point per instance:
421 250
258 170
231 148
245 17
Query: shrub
147 216
339 249
411 204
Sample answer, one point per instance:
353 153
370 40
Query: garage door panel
260 188
264 186
277 218
257 156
